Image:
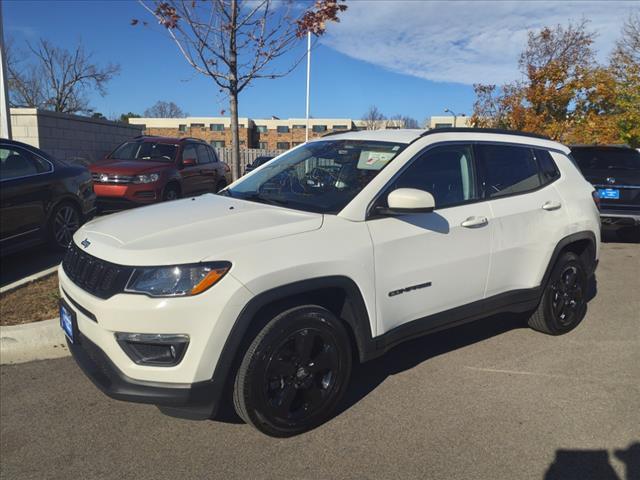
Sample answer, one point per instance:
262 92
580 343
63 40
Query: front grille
111 178
100 278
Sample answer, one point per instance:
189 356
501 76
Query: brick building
270 134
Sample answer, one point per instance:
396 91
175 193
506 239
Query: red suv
152 169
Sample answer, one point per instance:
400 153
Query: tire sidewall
568 259
256 361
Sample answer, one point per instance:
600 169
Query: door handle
473 222
551 206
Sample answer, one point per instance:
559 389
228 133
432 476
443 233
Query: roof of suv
411 135
172 140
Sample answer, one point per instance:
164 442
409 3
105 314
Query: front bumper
200 399
128 194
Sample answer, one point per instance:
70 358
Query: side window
212 154
203 154
189 151
548 169
447 172
17 162
509 170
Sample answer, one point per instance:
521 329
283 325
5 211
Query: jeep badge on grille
85 243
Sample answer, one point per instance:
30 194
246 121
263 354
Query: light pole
308 82
5 112
455 117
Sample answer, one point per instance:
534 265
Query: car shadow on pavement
19 265
584 464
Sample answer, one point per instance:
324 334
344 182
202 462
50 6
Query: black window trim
8 146
480 176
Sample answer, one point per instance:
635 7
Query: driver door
427 263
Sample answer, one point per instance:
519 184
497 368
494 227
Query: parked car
256 163
615 172
42 199
274 286
151 169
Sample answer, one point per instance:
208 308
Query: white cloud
463 42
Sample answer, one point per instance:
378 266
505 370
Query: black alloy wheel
64 223
294 373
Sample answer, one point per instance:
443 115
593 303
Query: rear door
208 172
25 190
528 214
426 263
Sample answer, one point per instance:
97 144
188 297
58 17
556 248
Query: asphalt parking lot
487 400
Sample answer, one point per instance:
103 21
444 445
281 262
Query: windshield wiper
259 197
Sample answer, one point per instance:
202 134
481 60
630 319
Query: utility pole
306 138
5 113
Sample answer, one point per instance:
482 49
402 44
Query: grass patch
33 302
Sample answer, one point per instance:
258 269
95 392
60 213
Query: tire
171 192
64 221
563 304
294 373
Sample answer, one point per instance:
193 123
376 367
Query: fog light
153 349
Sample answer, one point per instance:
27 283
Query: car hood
190 230
128 167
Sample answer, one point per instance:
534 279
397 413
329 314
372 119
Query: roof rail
337 132
193 138
483 130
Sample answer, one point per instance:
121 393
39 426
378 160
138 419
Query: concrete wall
69 137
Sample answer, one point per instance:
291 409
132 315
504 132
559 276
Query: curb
32 341
29 279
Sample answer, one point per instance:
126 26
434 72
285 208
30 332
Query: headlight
147 178
178 280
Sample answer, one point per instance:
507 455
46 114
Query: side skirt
516 301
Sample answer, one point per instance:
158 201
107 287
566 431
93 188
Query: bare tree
234 42
373 118
402 121
55 78
162 109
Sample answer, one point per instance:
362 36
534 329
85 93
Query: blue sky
412 58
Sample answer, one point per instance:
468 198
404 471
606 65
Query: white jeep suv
332 252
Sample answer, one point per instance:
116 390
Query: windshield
158 152
607 158
320 176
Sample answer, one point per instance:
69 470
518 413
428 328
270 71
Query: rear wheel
65 220
294 373
563 303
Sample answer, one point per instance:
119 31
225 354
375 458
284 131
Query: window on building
197 125
217 143
509 170
282 129
261 128
283 145
263 145
299 127
241 125
447 172
182 128
340 127
443 125
319 128
216 127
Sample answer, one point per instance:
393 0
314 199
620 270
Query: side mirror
189 162
408 200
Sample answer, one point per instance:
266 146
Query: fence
247 155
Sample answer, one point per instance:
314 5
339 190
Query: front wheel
65 220
563 304
294 373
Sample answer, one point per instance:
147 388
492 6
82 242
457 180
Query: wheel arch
582 244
